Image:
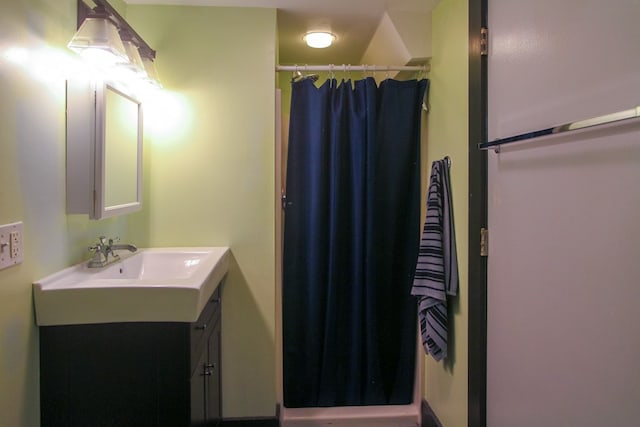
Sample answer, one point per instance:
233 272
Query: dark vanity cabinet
132 374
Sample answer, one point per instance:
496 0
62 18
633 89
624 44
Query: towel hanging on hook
436 276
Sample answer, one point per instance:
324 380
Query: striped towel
436 273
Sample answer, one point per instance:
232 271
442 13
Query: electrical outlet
11 250
14 244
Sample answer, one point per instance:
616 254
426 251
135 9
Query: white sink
151 285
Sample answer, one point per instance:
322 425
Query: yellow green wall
32 187
208 177
445 384
212 172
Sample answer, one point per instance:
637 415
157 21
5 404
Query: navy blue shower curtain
351 237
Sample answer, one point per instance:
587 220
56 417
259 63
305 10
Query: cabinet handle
208 369
215 300
202 327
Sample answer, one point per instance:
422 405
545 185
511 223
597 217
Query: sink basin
155 265
150 285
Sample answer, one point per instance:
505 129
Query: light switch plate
11 249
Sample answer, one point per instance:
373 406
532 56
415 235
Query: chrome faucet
103 248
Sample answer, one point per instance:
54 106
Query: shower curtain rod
349 67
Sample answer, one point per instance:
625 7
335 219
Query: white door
563 333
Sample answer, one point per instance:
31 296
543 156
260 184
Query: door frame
478 198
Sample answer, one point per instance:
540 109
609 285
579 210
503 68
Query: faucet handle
98 245
114 240
101 243
96 249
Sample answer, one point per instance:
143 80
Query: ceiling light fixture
319 39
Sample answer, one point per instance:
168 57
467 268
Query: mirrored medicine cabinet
104 149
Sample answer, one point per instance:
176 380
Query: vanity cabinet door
213 378
205 377
117 374
198 392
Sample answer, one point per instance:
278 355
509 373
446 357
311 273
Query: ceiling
352 21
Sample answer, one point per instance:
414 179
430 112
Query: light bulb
319 39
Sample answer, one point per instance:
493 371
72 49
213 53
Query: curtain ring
423 72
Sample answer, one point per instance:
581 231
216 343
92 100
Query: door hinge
484 41
484 242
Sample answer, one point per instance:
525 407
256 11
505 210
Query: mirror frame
101 210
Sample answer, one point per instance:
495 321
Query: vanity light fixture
134 62
130 69
98 40
319 39
150 71
107 39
